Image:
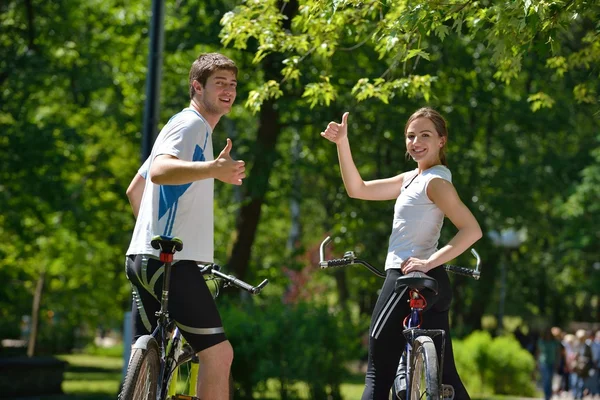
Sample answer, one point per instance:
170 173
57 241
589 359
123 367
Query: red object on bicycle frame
417 300
418 303
166 257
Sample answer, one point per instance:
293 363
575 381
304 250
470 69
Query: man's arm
169 170
135 192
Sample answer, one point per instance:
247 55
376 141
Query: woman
423 196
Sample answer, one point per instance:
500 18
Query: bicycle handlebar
349 258
214 269
473 273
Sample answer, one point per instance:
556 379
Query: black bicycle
423 371
157 359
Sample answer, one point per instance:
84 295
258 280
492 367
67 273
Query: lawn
92 377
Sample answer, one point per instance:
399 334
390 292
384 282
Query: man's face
218 95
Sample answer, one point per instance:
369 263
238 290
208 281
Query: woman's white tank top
417 220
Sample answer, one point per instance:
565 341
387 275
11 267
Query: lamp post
153 77
151 114
507 239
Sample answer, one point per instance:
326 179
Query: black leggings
386 341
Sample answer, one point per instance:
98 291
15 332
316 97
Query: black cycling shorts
191 303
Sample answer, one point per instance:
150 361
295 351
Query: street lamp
508 239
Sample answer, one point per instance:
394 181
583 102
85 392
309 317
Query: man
177 200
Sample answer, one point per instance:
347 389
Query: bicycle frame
414 321
166 334
166 338
412 331
177 356
172 355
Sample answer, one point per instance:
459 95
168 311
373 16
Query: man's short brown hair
205 65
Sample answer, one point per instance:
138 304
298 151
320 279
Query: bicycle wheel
141 379
424 382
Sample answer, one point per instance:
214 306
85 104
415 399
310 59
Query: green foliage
540 100
113 351
302 342
401 33
69 107
515 81
494 366
71 89
511 367
269 90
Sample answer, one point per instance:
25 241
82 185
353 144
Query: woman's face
423 142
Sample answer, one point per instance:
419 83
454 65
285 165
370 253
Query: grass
350 390
93 377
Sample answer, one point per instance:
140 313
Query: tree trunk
258 183
264 157
35 311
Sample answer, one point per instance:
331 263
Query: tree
496 69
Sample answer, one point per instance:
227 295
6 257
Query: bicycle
423 372
156 359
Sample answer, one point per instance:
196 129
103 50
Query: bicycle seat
416 280
166 244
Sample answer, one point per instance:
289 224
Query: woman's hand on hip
412 264
336 132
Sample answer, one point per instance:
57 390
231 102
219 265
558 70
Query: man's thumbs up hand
229 170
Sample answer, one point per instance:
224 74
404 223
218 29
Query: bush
301 342
472 360
494 366
511 367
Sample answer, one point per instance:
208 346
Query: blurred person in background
595 376
561 369
568 343
582 364
548 356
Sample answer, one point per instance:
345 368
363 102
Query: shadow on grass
79 369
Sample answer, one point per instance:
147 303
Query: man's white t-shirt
417 220
184 211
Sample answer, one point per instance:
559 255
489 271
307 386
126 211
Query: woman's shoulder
438 171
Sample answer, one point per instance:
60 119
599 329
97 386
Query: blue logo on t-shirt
170 194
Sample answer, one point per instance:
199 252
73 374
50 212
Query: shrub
494 366
511 367
301 342
472 360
